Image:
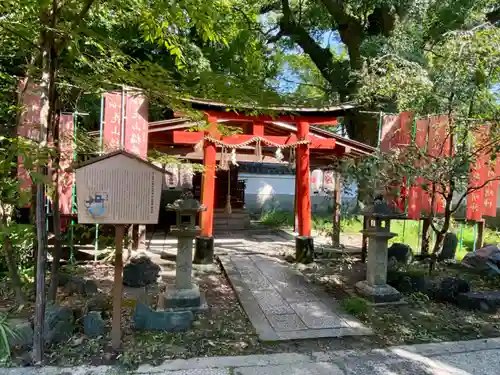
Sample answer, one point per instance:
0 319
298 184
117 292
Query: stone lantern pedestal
185 295
375 287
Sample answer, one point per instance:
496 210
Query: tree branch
76 23
322 57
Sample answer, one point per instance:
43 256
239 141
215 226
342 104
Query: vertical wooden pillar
336 211
295 204
303 183
208 183
304 246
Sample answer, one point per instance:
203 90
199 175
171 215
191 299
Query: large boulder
93 324
59 324
450 288
450 244
169 321
488 302
399 253
486 260
140 272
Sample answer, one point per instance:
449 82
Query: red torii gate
304 143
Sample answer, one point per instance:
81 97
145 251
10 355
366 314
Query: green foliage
6 332
277 219
21 237
355 305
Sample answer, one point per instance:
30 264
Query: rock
99 302
449 289
408 282
290 258
450 244
488 302
170 321
485 259
400 252
141 271
22 333
81 286
93 324
58 323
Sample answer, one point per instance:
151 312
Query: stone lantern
185 294
378 232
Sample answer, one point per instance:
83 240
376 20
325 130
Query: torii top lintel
316 116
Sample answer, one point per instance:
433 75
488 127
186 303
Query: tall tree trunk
56 255
46 116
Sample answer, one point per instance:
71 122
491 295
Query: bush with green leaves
6 332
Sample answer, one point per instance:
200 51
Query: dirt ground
225 330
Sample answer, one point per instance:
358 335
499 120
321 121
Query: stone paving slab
297 369
281 305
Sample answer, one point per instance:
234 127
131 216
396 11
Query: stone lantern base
378 293
183 299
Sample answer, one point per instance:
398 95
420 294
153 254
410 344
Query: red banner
491 189
111 137
389 132
417 196
28 126
135 122
136 125
396 132
67 148
478 176
438 145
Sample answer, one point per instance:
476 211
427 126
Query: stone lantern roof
379 209
186 204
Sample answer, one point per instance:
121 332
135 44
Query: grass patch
355 305
408 231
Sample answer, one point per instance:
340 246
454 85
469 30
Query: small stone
140 272
77 341
170 321
58 323
400 252
290 258
450 244
93 324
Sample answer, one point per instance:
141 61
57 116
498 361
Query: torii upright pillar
204 249
304 245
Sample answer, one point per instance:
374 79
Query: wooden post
303 176
208 184
336 212
481 225
116 332
41 257
295 204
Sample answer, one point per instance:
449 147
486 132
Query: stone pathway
478 357
279 302
281 305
